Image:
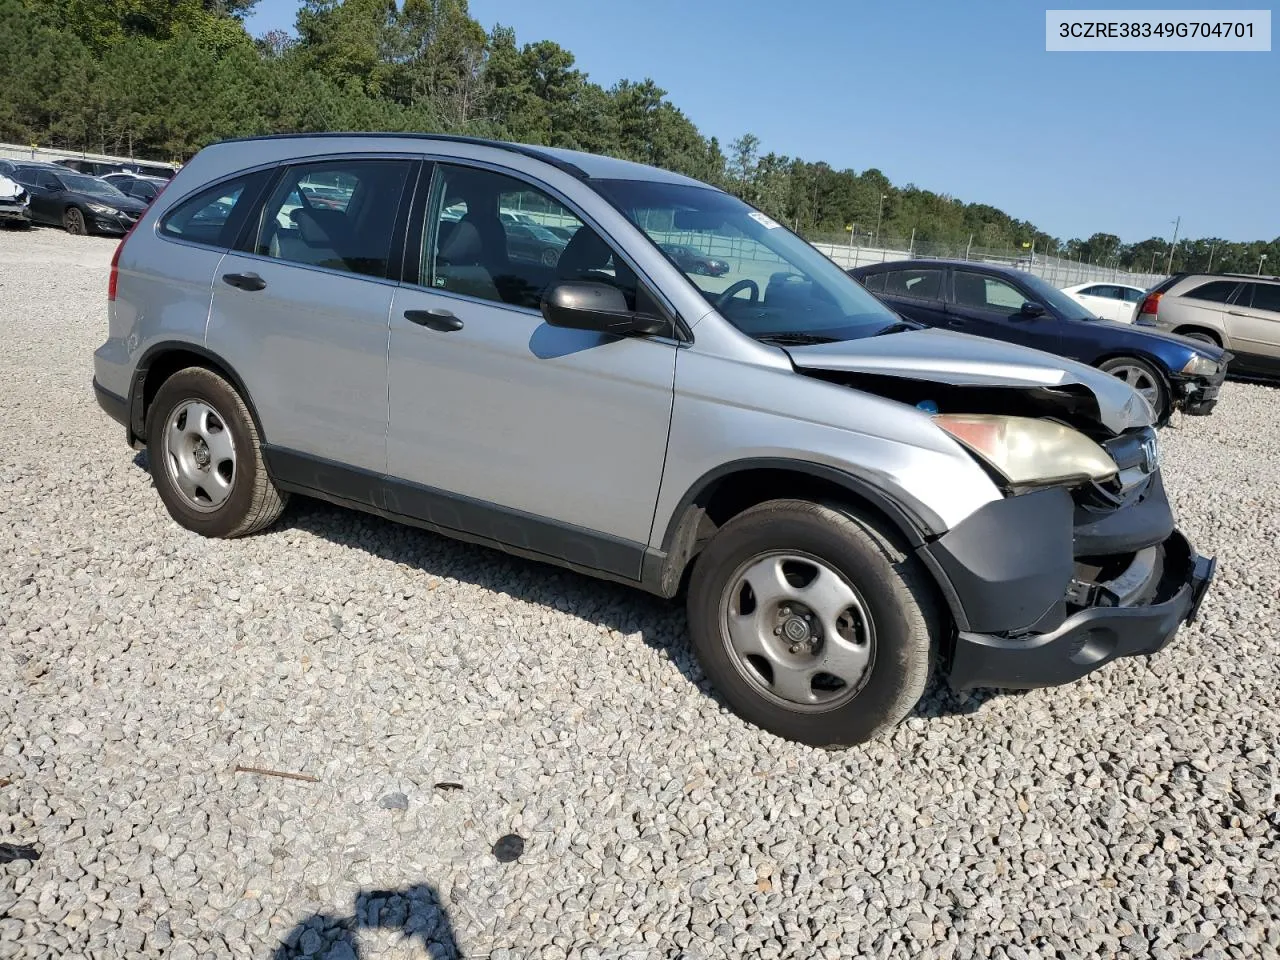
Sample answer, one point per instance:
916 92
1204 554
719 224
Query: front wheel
1144 378
74 223
812 622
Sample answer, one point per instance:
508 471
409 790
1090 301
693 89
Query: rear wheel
1202 337
74 223
812 622
1144 378
206 457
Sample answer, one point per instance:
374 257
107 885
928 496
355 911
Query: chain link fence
863 249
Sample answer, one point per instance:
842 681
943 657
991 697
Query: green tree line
159 79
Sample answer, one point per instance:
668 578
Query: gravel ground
1131 814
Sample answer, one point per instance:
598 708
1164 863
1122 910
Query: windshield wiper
901 326
784 339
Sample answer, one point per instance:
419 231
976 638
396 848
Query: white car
1110 301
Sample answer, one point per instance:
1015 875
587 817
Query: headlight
1200 366
1026 451
99 208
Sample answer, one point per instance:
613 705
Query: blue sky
959 98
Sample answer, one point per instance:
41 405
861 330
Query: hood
127 204
960 360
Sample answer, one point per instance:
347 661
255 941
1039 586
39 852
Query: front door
301 311
501 424
989 306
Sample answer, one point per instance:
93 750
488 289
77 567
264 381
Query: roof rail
520 148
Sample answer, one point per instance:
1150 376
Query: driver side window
987 293
498 238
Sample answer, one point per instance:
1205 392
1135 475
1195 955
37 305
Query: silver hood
957 359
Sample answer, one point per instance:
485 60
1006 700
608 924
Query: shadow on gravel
660 623
414 912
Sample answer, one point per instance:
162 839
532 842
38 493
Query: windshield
1067 308
776 285
90 185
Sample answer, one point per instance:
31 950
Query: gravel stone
1132 813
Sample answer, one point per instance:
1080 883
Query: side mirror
1031 310
584 305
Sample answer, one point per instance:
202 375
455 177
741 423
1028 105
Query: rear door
1103 299
46 193
991 306
916 293
300 308
1253 323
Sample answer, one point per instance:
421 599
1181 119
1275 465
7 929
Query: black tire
75 222
1116 366
1202 337
895 591
253 502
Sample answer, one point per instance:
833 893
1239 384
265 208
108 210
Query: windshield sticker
764 221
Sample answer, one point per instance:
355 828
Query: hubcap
797 631
1140 380
200 455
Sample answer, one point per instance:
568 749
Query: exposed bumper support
1091 637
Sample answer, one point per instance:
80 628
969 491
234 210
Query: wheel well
1207 331
722 499
156 369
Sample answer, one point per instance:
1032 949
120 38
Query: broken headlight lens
1199 366
1029 452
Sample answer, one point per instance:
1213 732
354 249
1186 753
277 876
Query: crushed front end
1051 584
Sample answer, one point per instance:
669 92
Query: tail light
114 279
1150 305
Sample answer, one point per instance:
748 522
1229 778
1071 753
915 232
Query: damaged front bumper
1095 634
1046 587
1197 396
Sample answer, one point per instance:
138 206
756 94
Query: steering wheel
735 288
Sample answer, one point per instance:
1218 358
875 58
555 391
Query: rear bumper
1090 637
117 408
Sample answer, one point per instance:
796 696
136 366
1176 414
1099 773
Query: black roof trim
534 152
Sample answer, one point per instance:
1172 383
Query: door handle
244 281
1237 313
441 320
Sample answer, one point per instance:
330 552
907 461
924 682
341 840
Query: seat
588 257
459 264
971 290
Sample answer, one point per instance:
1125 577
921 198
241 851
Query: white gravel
1131 814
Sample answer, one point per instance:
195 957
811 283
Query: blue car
1004 303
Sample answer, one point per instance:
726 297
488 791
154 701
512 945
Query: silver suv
844 498
1238 311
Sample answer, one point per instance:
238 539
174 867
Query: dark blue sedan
1008 304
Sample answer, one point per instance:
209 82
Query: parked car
843 499
1240 312
1006 304
80 204
691 261
100 168
139 187
13 203
1108 301
534 242
7 165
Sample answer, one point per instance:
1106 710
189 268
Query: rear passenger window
1216 291
497 238
206 217
920 284
1266 296
1133 294
339 215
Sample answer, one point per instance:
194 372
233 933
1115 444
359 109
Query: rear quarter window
213 216
873 281
1215 291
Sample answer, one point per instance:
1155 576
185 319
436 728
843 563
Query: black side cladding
1011 561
